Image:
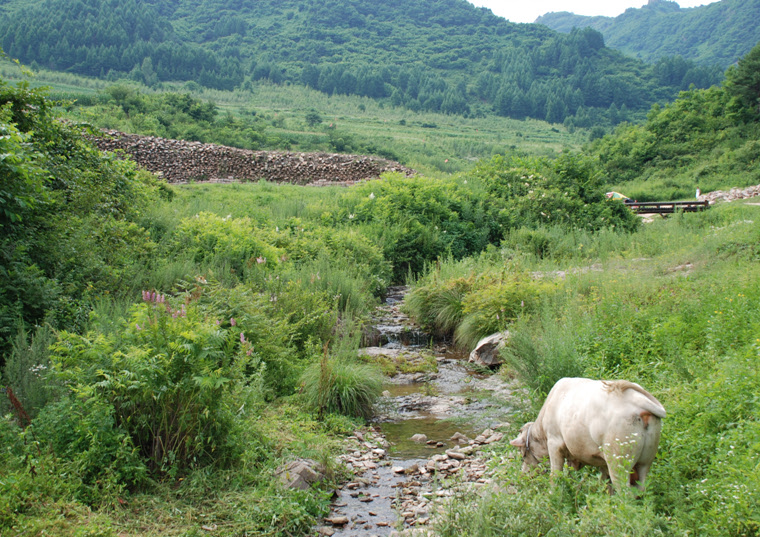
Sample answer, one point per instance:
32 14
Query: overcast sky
530 10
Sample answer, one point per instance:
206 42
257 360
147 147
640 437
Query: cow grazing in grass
614 425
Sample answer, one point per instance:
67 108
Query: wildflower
261 260
137 326
232 321
242 337
351 216
371 195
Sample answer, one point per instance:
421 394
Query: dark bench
667 207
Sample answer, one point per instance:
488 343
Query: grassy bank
671 307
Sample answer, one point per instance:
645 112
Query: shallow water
369 501
399 434
437 405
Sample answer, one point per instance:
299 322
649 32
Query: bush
26 370
167 382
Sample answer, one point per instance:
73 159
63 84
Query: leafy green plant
167 382
27 369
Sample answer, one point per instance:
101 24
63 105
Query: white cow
614 425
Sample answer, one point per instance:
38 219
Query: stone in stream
419 438
459 438
486 352
337 520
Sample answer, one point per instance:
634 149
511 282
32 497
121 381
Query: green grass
670 307
431 143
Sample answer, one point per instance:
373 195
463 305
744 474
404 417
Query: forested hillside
705 139
716 34
431 55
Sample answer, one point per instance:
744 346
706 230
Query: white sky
530 10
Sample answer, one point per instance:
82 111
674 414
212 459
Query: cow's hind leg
639 475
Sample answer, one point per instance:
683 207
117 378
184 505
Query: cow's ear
517 442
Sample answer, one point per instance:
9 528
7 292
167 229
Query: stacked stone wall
179 161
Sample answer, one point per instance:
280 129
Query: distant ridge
716 34
443 56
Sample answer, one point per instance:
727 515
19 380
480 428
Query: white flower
371 195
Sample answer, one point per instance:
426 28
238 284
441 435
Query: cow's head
523 443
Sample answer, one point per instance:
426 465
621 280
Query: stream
455 408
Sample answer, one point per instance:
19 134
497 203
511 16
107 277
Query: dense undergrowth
672 307
171 347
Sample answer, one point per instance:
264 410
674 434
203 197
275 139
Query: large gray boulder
300 474
486 352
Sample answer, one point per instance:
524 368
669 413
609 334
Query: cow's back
590 416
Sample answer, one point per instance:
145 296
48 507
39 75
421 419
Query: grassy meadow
673 307
429 142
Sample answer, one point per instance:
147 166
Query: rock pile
731 195
179 161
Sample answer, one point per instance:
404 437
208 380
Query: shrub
166 383
234 241
566 192
26 369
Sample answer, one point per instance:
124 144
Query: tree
743 85
313 119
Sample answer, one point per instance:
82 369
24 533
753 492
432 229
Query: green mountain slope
707 139
433 55
718 33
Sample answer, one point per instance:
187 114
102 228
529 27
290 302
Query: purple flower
232 321
137 326
261 260
242 337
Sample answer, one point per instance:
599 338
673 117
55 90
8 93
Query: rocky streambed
427 440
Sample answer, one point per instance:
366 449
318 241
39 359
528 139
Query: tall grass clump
469 299
339 383
543 349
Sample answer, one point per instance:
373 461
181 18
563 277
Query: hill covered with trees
427 55
716 34
704 139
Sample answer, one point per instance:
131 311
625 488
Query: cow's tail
649 404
